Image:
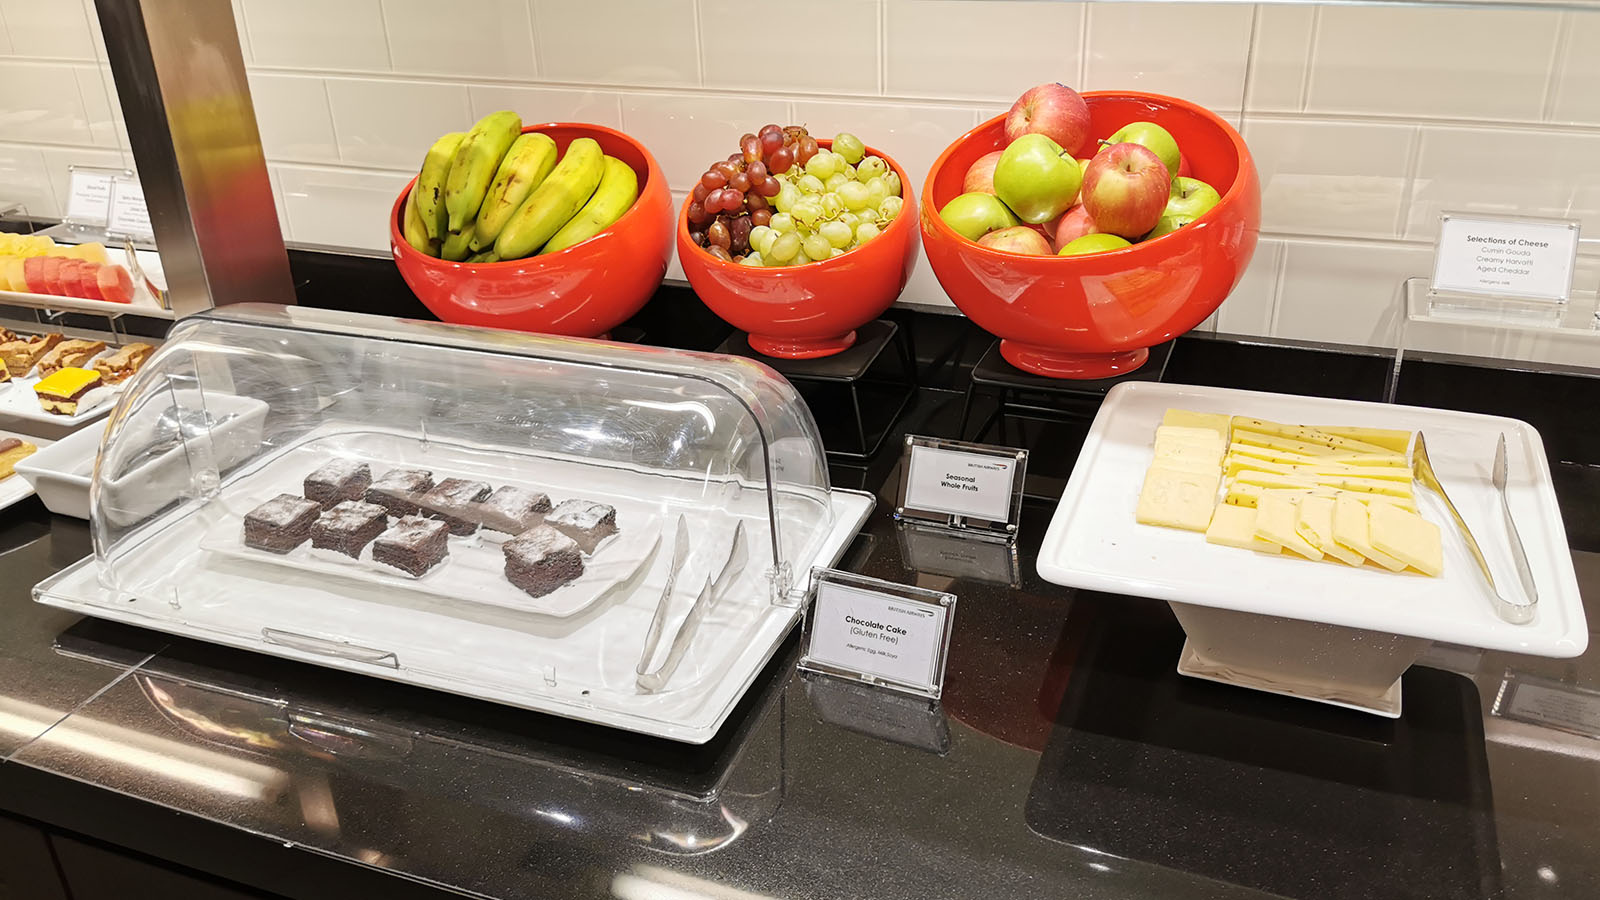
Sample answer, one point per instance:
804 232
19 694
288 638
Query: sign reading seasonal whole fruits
1032 197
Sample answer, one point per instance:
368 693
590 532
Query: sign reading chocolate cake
280 524
413 545
513 510
584 521
541 560
454 501
349 527
337 481
399 489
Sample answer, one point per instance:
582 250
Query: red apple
1017 239
981 176
1125 190
1053 110
1073 224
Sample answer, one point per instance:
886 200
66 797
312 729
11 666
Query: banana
430 184
555 201
457 244
412 229
486 256
525 167
619 187
474 165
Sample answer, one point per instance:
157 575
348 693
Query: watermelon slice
52 275
115 284
75 277
33 274
88 280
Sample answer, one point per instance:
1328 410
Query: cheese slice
1209 455
1186 432
1407 537
1234 464
1388 438
1276 518
1177 499
1217 422
1316 526
1235 526
1244 494
1270 455
1308 435
1352 529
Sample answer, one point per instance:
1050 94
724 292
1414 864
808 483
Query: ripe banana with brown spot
429 192
529 161
413 229
474 165
554 202
619 187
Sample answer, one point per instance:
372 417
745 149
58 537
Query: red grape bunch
734 195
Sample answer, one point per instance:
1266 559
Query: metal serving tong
680 553
1517 611
715 587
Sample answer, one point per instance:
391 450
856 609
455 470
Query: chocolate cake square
337 481
280 524
584 521
454 501
513 510
349 527
541 560
398 490
412 544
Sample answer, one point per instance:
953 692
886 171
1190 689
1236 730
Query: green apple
1037 179
1191 197
1167 224
975 214
1094 243
1151 135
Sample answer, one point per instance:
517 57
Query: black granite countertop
1068 759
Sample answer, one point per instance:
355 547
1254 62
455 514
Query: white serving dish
17 488
18 402
144 303
1319 630
60 473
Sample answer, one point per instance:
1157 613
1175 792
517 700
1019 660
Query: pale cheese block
1177 499
1185 432
1183 418
1388 438
1407 537
1352 529
1308 435
1277 516
1199 453
1235 526
1316 526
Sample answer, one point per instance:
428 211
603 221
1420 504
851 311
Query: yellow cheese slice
1234 464
1197 453
1308 435
1351 529
1276 518
1270 455
1177 499
1185 432
1217 422
1387 438
1276 442
1316 526
1235 526
1407 537
1246 495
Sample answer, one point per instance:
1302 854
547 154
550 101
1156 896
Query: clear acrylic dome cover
241 404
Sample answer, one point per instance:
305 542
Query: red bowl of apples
811 310
1095 312
582 291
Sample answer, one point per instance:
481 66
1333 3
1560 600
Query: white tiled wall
1365 121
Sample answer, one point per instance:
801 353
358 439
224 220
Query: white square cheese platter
1094 542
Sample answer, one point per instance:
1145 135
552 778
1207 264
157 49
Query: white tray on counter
144 303
581 666
16 488
1345 614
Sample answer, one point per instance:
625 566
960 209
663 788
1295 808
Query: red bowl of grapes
1096 315
584 290
799 241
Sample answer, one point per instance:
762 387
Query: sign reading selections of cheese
1313 492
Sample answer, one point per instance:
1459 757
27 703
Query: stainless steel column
180 77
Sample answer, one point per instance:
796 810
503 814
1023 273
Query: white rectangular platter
144 303
483 642
1094 543
15 488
